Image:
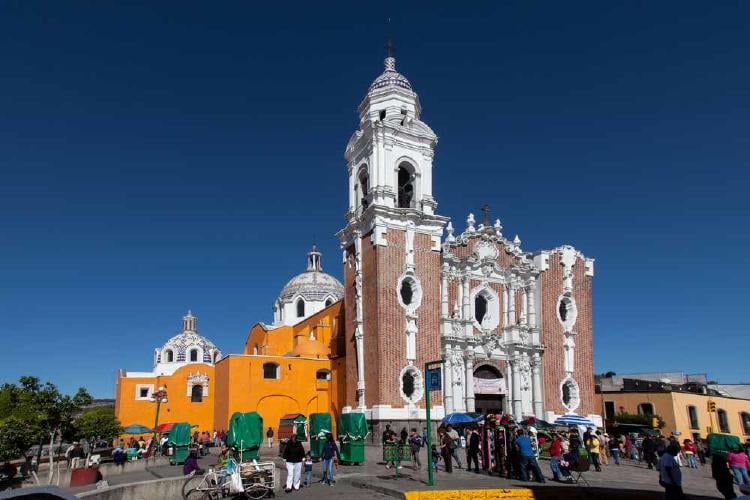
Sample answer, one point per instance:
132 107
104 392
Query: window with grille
693 417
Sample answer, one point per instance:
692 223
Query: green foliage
37 411
98 422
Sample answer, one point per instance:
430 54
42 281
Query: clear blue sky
155 158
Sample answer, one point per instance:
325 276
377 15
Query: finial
470 223
313 259
449 229
517 241
390 60
498 227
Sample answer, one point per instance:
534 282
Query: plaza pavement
373 480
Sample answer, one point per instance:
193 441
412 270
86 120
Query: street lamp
158 397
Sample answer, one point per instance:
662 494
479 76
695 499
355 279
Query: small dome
313 285
181 344
390 77
310 349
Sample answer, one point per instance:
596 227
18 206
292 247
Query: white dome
307 293
177 350
390 78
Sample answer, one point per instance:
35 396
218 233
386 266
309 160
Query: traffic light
655 422
711 406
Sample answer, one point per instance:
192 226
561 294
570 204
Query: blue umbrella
571 419
136 429
458 418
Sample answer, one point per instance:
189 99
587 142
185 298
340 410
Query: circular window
567 312
411 384
569 394
409 292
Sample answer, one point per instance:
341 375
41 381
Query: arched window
745 419
407 292
364 183
193 355
721 416
323 375
300 308
405 186
480 307
487 372
271 371
196 394
169 356
646 409
255 349
328 302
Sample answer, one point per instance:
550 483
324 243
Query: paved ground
630 480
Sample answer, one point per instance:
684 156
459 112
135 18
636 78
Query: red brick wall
552 336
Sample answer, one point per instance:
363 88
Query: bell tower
391 246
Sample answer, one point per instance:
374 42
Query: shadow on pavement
595 492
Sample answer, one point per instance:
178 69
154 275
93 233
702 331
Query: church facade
514 327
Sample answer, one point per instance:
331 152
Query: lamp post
158 397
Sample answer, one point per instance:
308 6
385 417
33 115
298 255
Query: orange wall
178 408
673 408
296 390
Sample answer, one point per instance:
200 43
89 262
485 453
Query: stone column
532 304
509 386
525 307
444 293
517 410
506 299
511 306
467 308
460 298
536 386
448 383
469 380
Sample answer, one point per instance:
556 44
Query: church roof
390 77
313 284
189 338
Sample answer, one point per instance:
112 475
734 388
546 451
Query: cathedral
513 327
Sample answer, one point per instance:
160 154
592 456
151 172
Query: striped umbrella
571 419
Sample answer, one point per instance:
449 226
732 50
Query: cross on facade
486 211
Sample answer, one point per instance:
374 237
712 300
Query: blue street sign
434 379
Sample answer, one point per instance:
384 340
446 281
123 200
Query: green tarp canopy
179 435
352 426
245 430
320 423
720 444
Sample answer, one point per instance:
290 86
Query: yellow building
293 366
684 407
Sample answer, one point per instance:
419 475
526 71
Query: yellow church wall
673 408
296 390
178 408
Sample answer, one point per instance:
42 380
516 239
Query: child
308 469
435 456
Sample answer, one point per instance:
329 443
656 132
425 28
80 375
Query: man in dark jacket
472 451
330 452
649 451
294 454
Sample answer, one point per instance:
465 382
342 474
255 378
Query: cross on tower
486 211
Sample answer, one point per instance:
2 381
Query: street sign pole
430 478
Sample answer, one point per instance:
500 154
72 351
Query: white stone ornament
498 228
470 221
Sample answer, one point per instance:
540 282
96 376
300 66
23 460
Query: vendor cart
179 442
352 431
245 434
320 426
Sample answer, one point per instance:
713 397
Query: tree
46 413
98 422
16 436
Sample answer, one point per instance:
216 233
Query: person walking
294 454
670 476
269 437
604 455
455 443
689 450
308 469
415 444
445 451
614 450
472 451
739 463
555 454
594 446
528 458
330 453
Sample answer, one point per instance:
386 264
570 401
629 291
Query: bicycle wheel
256 491
190 484
201 495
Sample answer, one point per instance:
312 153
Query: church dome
187 347
313 285
390 77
